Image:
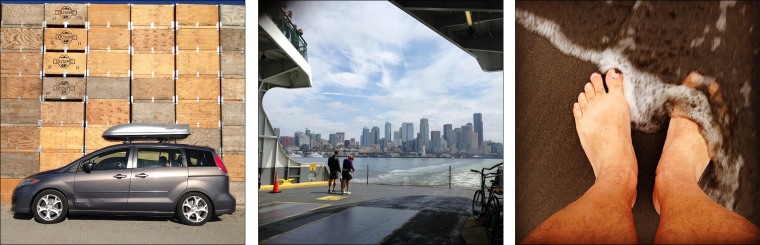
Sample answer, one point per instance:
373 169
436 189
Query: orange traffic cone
276 188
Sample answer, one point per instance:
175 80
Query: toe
589 90
596 80
582 101
615 80
577 113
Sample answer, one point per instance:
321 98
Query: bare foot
603 122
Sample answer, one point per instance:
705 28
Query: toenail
615 73
595 74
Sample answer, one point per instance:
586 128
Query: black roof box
147 131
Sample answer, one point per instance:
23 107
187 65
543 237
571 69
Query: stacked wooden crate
232 38
20 85
198 82
153 64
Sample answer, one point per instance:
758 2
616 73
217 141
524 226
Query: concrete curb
286 185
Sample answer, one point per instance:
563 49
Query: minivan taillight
220 164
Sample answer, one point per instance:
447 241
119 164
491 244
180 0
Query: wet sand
552 170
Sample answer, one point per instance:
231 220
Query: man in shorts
333 165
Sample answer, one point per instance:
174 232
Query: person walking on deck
347 173
333 165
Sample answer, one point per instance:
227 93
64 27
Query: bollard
449 176
367 174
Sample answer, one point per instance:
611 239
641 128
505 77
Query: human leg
603 214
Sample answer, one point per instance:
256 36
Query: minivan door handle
141 175
119 176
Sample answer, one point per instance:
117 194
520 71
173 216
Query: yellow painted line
296 185
332 198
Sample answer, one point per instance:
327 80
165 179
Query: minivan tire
49 207
194 209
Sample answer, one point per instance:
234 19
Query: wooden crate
210 137
20 38
65 14
153 65
203 62
23 15
62 114
20 63
233 65
108 88
19 164
199 114
232 15
205 87
93 138
19 111
233 89
19 138
102 63
20 87
108 14
200 39
7 185
146 40
57 159
57 139
63 88
235 164
152 88
233 113
105 38
196 15
152 15
153 111
65 38
233 139
107 111
68 63
233 39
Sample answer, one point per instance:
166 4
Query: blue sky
372 63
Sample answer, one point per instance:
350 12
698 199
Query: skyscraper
388 131
477 120
340 137
424 131
407 131
365 137
375 135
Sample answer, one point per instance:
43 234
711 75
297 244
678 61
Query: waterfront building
375 133
477 120
424 131
388 131
407 131
365 137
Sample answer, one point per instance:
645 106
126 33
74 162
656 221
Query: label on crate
65 39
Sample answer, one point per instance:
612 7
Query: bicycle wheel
494 219
497 234
477 204
493 203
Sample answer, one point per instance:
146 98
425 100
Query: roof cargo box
147 131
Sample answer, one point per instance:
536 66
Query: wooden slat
65 38
197 15
13 138
70 139
155 15
69 63
205 87
15 111
104 38
152 88
7 185
108 14
148 65
235 164
114 63
108 88
23 15
20 87
152 40
233 64
233 139
202 39
210 137
199 114
19 164
232 15
153 111
232 39
233 113
25 63
63 88
54 160
93 138
107 111
20 38
62 114
233 89
203 62
60 13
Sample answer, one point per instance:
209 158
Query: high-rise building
477 120
397 137
458 139
424 131
340 137
308 132
365 137
407 131
375 140
297 138
448 135
388 131
333 140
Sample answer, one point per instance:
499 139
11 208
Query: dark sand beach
671 39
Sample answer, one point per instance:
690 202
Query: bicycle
495 225
480 203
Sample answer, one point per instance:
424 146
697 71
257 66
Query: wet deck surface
552 170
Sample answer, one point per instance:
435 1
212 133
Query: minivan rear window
198 158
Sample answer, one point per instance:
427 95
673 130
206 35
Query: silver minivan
156 179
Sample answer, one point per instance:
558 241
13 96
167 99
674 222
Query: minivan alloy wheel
49 207
195 208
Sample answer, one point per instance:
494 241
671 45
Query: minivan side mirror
87 167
